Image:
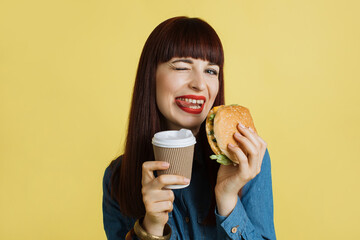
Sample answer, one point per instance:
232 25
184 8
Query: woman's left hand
249 153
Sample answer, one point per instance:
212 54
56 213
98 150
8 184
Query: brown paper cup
180 159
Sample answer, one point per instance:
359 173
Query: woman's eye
181 68
212 72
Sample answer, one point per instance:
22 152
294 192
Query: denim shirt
252 217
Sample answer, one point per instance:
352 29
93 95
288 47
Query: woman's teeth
189 100
195 107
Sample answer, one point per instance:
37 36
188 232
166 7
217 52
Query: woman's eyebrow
183 60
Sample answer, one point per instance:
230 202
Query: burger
221 124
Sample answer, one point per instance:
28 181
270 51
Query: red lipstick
191 103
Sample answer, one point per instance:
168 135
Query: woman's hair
175 37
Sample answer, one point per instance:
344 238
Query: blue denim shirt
252 217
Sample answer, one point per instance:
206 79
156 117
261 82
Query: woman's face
186 89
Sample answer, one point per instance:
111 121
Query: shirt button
234 230
187 219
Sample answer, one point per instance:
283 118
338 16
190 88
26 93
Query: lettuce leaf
212 116
222 159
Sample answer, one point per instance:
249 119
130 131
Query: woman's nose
197 81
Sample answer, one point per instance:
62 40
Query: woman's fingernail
241 125
251 130
237 135
186 180
231 145
165 164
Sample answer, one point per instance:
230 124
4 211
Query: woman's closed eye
181 68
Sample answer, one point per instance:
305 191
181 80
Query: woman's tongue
185 103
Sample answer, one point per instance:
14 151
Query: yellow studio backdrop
66 74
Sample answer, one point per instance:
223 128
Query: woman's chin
186 120
193 125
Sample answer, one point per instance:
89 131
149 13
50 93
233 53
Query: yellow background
66 75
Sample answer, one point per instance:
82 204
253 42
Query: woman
183 58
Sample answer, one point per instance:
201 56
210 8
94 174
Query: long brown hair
175 37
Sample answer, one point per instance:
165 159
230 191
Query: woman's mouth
191 103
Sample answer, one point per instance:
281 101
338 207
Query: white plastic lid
174 138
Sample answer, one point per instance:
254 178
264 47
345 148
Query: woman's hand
249 153
158 201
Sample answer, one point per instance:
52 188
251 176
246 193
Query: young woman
183 58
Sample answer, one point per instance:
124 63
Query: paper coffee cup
176 148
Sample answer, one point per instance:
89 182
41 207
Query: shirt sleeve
116 225
252 218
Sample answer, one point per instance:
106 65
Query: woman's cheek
214 91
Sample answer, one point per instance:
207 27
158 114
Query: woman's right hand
158 201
